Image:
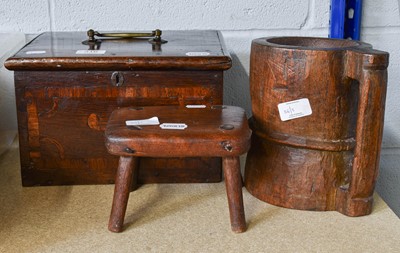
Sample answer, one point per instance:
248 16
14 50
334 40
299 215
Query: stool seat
217 131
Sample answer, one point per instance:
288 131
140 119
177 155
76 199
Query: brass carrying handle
156 34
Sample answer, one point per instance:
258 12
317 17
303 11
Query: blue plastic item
345 19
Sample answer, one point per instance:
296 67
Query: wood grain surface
64 101
220 131
330 159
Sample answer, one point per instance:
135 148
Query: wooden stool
219 131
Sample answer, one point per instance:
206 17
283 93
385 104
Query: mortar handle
369 68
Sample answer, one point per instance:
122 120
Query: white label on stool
294 109
143 122
178 126
90 52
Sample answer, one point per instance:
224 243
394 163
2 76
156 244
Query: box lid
191 50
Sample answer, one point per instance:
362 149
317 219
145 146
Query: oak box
66 88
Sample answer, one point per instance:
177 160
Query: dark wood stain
64 101
203 137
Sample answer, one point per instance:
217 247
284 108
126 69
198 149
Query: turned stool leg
123 181
233 182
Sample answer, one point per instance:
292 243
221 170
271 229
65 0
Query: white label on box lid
36 52
294 109
90 51
197 53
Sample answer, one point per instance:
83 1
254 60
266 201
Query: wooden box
66 90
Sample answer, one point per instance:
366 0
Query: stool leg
123 180
135 172
233 182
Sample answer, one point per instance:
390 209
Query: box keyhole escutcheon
117 79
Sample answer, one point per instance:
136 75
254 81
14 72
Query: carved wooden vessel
328 160
66 88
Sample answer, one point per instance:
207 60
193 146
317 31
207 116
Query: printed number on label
294 109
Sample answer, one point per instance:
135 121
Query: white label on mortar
294 109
